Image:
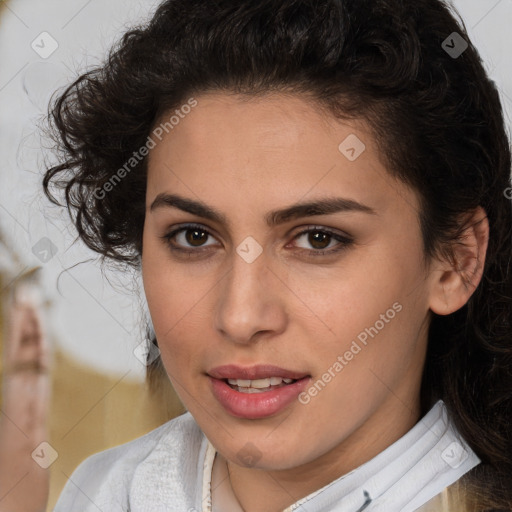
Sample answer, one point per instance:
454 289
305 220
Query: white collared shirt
170 469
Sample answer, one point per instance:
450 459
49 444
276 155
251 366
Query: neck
260 490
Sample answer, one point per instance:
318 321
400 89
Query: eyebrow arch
273 218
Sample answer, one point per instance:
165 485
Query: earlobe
455 280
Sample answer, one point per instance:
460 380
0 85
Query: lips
246 402
262 371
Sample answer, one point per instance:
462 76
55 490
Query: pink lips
255 405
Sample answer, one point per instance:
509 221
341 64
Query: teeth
240 382
259 383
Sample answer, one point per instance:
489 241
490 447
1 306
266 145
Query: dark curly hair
435 115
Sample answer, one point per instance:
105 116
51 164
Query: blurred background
95 326
94 332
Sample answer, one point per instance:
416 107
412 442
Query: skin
289 307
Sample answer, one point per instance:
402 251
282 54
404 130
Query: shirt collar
402 478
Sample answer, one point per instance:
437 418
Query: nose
250 303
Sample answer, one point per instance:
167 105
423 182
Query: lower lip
256 405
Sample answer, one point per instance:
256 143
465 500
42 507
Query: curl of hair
438 122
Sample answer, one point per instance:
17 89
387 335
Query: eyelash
345 241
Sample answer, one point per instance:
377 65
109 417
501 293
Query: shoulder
176 435
109 480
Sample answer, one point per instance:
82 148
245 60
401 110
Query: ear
456 280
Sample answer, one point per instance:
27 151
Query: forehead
271 121
278 146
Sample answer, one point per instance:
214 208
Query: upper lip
260 371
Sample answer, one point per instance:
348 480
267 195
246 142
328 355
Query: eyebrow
318 207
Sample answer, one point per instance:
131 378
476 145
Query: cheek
372 314
176 304
353 298
161 298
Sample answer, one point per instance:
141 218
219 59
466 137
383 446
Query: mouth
258 391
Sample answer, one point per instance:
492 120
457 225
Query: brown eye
196 237
319 239
186 238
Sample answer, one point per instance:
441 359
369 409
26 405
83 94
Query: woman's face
245 282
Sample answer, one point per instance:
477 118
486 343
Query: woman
314 192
